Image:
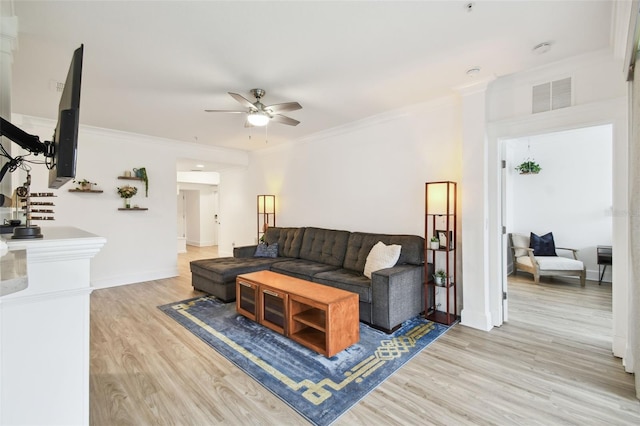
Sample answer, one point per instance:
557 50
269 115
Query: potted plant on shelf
85 185
127 192
435 243
440 277
529 167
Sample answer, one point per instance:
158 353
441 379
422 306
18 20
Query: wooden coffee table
322 318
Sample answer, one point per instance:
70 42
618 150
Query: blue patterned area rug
320 389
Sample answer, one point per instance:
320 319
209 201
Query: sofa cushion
225 269
553 263
381 256
348 280
360 244
266 250
289 240
301 268
326 246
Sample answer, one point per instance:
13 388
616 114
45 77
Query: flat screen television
62 166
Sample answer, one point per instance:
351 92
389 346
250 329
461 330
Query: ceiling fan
259 114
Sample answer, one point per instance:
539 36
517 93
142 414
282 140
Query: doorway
572 196
198 215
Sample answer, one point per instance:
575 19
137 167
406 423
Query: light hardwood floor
550 364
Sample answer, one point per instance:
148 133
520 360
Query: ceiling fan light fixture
258 119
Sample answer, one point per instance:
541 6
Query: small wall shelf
133 208
86 190
129 178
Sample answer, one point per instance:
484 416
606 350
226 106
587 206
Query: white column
44 331
474 199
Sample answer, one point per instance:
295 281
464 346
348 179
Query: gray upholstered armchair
524 259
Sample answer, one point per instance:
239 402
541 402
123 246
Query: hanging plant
529 167
142 174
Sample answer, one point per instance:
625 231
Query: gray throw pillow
264 250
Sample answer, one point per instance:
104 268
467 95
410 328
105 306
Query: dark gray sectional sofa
334 258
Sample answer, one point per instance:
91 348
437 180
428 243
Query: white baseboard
477 320
116 281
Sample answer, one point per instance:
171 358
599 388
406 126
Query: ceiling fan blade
287 106
285 120
225 110
243 101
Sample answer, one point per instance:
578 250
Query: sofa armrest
245 251
397 294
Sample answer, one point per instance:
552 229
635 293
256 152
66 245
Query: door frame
614 112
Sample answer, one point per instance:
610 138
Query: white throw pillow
381 256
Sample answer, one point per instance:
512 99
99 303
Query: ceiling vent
551 95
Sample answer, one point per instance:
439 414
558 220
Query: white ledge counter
44 329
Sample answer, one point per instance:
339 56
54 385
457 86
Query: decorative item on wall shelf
84 185
529 167
127 192
141 173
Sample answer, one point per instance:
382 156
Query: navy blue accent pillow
542 245
264 250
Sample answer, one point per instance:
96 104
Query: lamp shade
266 204
438 193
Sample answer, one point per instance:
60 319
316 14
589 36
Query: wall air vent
551 95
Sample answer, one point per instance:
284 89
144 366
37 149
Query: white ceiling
152 67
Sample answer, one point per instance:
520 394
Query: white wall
141 245
595 77
365 177
571 196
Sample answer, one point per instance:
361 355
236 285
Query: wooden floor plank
550 364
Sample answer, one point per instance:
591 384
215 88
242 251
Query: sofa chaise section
218 276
